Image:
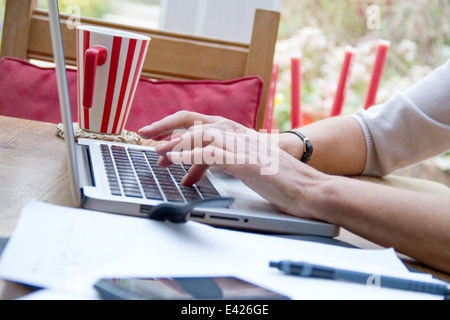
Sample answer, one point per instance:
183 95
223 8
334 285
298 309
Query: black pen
304 269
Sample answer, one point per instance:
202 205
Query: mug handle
93 57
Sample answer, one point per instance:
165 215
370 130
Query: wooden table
33 165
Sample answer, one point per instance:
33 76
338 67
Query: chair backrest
26 35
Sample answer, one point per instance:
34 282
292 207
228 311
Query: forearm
339 145
415 224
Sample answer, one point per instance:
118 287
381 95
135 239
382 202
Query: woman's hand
182 122
248 155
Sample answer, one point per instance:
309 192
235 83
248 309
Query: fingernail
143 129
183 182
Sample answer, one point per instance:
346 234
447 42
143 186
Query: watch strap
307 146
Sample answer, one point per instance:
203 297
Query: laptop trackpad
246 198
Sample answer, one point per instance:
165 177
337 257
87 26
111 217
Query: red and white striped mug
109 65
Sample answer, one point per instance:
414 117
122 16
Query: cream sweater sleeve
410 127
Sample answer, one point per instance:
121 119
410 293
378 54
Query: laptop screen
64 101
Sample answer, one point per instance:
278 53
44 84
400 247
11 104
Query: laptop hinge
84 166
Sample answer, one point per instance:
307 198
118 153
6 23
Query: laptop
124 178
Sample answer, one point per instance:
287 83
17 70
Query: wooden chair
26 36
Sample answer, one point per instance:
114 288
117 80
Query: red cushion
30 92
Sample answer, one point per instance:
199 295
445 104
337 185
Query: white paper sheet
69 249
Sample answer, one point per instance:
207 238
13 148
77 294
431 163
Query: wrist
315 194
292 144
326 198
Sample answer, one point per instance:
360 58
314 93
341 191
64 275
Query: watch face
308 150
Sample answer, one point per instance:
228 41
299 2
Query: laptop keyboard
134 173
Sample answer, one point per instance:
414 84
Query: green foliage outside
88 8
419 32
2 13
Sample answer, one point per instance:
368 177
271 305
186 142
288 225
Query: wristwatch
307 146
